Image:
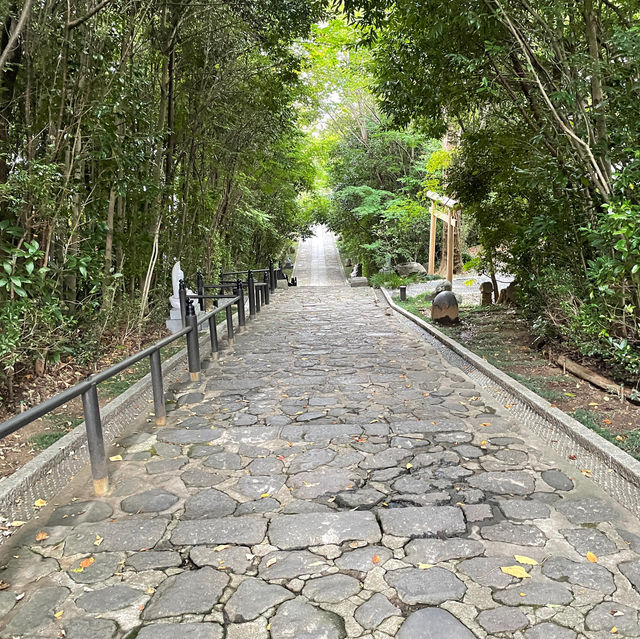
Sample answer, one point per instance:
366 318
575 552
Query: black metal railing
87 389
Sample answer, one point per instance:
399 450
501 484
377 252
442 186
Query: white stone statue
177 274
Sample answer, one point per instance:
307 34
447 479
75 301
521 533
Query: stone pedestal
283 284
358 281
174 323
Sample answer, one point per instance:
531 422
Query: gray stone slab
265 505
190 592
331 589
586 540
80 512
90 628
523 509
322 481
433 623
265 466
557 479
587 511
291 532
254 487
362 499
549 631
150 501
433 551
374 611
364 559
310 459
159 466
431 586
236 559
209 504
158 560
502 619
601 618
199 478
298 620
224 461
487 571
631 570
427 521
508 482
289 565
246 530
508 532
426 427
534 593
585 574
105 565
109 598
252 598
132 534
35 611
26 566
181 631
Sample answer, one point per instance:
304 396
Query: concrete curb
46 474
613 457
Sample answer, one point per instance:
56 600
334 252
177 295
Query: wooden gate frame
451 221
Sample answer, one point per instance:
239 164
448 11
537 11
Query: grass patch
44 440
536 384
629 441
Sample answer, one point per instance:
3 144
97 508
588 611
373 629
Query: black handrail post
252 295
158 391
200 290
229 311
193 346
213 333
95 439
273 283
258 294
266 288
182 294
240 293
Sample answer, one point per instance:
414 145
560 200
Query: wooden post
450 232
432 240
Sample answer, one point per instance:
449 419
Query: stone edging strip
51 470
615 463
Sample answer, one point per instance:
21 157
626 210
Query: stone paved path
330 477
318 262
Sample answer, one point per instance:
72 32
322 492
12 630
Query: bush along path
330 477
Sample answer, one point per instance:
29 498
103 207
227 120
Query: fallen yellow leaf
515 571
98 540
42 535
59 614
523 559
409 465
85 563
614 630
592 557
39 503
425 566
264 495
16 524
115 458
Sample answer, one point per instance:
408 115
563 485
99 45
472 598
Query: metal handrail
87 388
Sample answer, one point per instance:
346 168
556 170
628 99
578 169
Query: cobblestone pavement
330 476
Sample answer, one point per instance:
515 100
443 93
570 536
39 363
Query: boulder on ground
508 294
410 268
444 308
